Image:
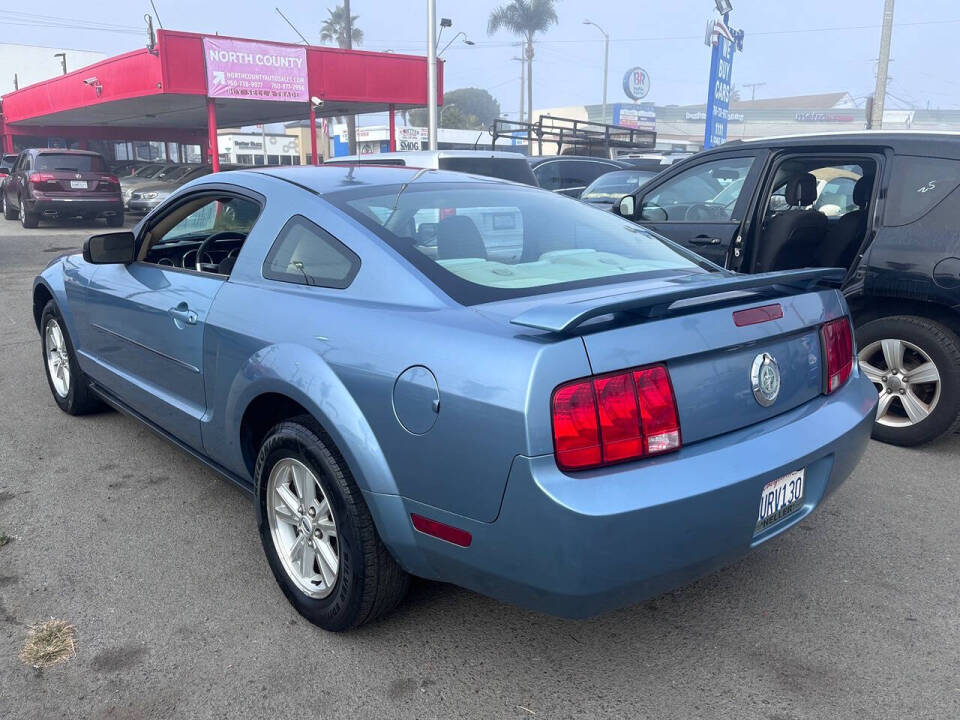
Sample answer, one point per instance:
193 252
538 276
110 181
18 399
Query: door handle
183 315
705 240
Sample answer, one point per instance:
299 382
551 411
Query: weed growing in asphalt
49 643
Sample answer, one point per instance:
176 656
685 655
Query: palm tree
334 29
340 27
525 18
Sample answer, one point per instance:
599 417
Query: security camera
317 102
91 81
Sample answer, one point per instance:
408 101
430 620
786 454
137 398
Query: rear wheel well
871 308
41 296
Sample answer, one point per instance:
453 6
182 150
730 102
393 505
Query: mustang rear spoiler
565 318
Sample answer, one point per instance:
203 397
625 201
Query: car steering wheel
701 212
210 240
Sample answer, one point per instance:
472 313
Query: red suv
52 183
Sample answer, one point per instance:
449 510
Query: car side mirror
110 248
626 206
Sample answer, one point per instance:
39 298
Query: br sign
247 70
636 83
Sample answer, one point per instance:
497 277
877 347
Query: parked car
497 164
883 206
570 174
53 183
573 424
166 173
610 187
7 162
146 197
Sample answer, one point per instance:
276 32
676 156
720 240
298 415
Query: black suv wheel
914 363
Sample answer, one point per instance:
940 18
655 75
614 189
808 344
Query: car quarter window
306 254
706 192
917 184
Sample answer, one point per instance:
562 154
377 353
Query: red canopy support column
314 160
214 149
393 128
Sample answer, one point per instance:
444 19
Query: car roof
423 156
327 178
535 160
945 144
63 151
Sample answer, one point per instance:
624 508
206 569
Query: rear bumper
579 545
55 206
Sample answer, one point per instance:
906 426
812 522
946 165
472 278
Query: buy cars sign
243 69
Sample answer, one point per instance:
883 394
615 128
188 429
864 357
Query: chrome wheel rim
906 379
58 360
303 528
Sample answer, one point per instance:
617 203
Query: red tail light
837 340
612 418
41 178
109 179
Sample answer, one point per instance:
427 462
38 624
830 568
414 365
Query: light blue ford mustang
433 374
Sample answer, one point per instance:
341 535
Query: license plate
78 184
780 498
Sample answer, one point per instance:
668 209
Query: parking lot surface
157 563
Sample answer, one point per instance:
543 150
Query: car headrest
861 191
458 237
801 190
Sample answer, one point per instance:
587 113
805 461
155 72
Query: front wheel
28 219
914 363
9 213
317 532
68 384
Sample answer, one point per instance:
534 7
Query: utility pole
432 74
753 89
883 63
523 90
606 64
351 119
63 61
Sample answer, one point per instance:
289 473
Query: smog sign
255 71
636 83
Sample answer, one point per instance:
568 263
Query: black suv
883 205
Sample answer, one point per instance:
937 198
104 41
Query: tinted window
614 185
917 184
580 173
488 242
503 168
698 194
306 254
68 161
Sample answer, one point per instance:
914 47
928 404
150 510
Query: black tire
79 399
942 346
29 220
115 220
369 583
9 213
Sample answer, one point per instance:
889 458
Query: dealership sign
724 42
636 83
248 70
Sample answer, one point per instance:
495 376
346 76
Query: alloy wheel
303 528
906 378
58 360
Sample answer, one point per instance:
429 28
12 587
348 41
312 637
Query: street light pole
606 61
432 74
883 63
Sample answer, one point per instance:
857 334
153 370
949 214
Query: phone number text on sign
254 70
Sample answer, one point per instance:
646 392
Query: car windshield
173 172
69 162
481 242
614 185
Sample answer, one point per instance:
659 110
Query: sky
795 47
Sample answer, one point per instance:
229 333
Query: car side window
306 254
917 184
704 193
581 173
547 175
25 164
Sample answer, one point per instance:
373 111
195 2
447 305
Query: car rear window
917 184
481 242
497 167
69 161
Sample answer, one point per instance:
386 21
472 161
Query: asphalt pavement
157 563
